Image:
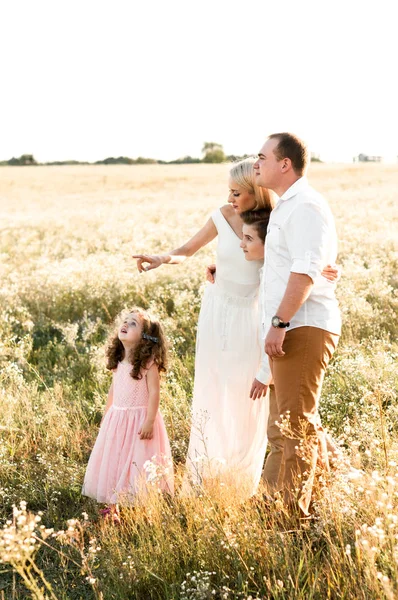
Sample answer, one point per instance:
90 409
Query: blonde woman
228 427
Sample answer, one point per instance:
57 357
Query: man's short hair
290 146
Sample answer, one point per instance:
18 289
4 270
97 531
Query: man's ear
286 165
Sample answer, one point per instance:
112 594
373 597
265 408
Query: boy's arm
264 375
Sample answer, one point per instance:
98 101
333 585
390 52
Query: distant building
367 158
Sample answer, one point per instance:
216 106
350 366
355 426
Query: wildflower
157 468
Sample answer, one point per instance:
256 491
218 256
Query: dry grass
66 238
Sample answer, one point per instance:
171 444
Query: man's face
267 168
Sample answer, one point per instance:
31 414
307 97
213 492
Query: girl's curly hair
148 349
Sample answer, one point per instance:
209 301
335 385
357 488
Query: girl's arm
175 257
109 401
153 381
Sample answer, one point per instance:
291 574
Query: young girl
132 431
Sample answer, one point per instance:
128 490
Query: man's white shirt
301 238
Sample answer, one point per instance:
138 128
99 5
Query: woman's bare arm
175 257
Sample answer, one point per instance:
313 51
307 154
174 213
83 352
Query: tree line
211 151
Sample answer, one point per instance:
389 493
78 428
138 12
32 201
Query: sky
87 79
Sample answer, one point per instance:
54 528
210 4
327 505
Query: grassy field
66 239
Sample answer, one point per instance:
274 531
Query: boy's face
251 244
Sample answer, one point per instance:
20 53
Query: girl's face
130 331
239 198
251 244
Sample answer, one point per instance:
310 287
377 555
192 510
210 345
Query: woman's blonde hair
242 173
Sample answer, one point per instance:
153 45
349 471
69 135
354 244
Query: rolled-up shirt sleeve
307 238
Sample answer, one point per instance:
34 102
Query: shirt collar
298 186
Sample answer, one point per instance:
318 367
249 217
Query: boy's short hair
259 219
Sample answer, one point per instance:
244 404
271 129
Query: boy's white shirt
264 374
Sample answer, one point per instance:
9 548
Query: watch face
275 321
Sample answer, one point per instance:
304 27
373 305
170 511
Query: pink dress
116 471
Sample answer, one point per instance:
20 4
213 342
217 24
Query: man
301 314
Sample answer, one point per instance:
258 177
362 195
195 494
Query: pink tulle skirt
121 464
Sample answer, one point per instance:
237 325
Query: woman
228 428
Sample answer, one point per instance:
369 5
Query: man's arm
297 291
308 238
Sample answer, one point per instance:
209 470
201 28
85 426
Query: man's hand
154 261
274 342
210 272
258 389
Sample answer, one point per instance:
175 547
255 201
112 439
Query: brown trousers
298 378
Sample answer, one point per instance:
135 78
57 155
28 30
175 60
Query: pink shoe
107 513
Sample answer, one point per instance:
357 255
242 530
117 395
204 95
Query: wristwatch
278 323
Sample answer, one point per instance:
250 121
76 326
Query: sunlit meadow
66 239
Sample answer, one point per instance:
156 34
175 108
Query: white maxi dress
229 429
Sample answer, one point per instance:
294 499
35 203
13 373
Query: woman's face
251 244
239 198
